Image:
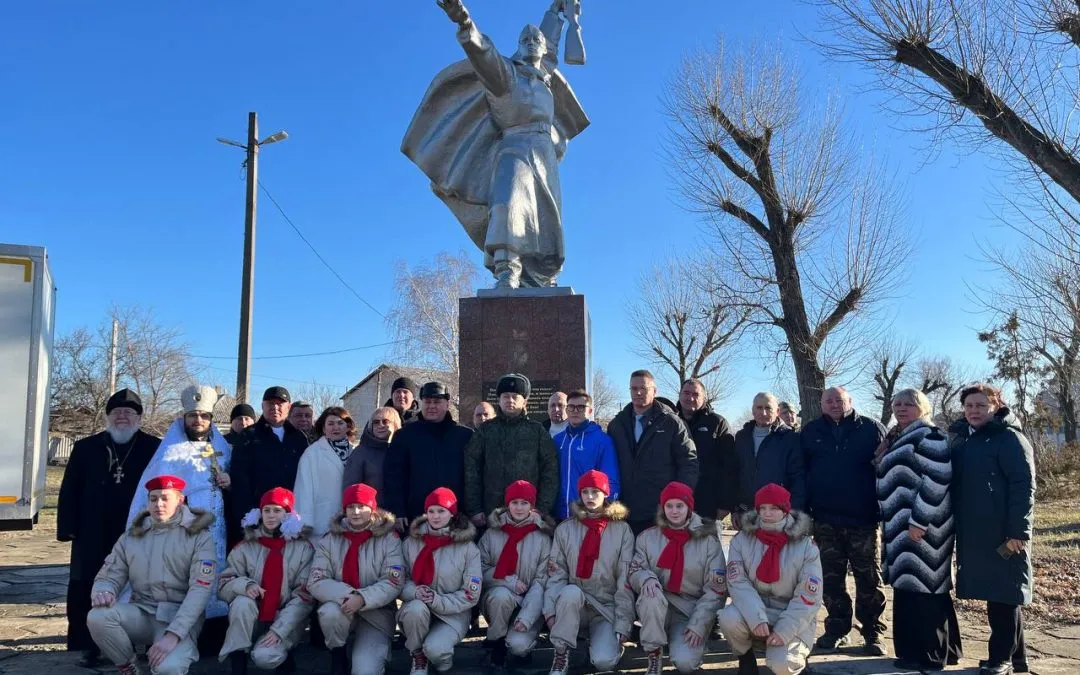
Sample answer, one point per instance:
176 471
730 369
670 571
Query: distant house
374 390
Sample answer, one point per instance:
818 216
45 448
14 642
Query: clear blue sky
108 159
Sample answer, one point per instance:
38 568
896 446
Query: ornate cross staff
209 453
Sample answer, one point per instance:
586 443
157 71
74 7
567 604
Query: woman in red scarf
442 584
356 577
514 553
264 584
774 580
678 573
588 577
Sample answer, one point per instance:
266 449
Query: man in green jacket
509 448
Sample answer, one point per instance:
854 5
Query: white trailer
27 310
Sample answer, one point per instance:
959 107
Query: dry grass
1057 566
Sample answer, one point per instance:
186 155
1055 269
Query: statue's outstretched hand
557 7
455 10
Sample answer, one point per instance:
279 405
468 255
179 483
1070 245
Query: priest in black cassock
99 484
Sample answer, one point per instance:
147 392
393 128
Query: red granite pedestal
542 333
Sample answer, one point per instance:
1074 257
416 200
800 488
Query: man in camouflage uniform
510 447
838 450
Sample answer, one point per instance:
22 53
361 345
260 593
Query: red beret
166 483
278 497
773 494
594 479
520 489
677 490
360 493
443 497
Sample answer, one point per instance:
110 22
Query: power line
300 356
317 254
274 378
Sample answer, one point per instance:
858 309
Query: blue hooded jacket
581 450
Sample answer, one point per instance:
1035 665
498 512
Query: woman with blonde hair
913 475
365 465
321 471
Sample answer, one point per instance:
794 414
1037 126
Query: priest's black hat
125 398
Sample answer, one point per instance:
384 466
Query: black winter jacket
993 496
424 456
665 453
841 480
718 466
261 462
779 460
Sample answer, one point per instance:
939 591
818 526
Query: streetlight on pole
247 293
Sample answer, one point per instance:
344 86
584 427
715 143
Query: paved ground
33 578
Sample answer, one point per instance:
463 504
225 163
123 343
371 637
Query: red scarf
508 558
673 558
590 546
272 577
423 571
768 570
350 572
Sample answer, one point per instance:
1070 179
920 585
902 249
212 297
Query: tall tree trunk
809 376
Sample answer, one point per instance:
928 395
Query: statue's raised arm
455 9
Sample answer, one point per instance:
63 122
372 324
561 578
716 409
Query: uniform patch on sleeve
732 571
396 573
472 589
207 567
718 581
813 584
806 601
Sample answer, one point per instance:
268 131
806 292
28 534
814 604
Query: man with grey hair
790 415
839 449
99 483
302 416
768 452
556 422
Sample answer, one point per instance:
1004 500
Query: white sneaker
561 663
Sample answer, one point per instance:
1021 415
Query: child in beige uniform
588 577
357 576
443 582
514 555
264 585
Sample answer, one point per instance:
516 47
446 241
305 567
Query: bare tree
320 396
684 329
424 318
152 359
941 379
892 361
989 70
605 397
811 234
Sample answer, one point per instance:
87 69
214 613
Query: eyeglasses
381 421
202 415
576 408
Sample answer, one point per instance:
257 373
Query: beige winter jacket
533 553
704 583
790 605
170 567
608 590
382 569
244 567
458 573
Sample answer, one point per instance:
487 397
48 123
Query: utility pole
247 285
112 356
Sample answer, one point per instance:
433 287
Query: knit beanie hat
520 489
360 493
773 494
405 383
677 490
443 497
278 496
594 479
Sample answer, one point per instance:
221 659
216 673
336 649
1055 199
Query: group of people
273 526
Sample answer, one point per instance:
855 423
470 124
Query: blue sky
107 158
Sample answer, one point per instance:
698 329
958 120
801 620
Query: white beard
122 436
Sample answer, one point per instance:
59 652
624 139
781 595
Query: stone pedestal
543 333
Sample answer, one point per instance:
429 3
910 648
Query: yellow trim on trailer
7 499
28 271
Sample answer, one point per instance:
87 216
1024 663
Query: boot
507 269
748 664
656 662
339 661
560 663
875 646
238 663
830 642
90 659
419 663
997 669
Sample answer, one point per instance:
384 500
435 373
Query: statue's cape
453 139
